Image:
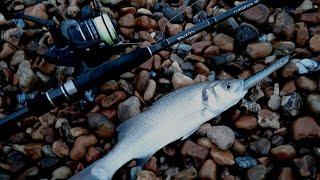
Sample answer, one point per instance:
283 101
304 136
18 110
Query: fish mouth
253 80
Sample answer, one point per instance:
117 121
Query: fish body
174 116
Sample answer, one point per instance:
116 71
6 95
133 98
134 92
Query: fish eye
228 86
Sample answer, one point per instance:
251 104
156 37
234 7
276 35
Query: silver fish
175 116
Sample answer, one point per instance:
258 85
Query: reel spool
98 31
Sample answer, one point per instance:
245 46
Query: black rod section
113 68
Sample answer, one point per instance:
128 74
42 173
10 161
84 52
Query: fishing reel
87 38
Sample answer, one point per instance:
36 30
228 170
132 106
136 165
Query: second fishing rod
112 69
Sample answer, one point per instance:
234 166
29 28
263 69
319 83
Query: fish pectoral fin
189 134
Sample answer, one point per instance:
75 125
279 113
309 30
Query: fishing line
182 11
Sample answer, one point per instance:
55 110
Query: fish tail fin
106 167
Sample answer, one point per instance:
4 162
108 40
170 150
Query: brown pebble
305 128
190 148
92 155
259 50
222 157
224 42
33 150
208 170
113 99
81 146
246 122
284 152
60 148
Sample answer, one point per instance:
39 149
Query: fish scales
172 117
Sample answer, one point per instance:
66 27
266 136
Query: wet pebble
306 83
306 166
258 14
246 122
190 148
60 148
81 146
259 50
180 80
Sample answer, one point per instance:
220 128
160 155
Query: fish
175 116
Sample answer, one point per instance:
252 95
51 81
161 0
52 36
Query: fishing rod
73 89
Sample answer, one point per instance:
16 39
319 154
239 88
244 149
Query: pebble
288 88
261 146
313 102
292 104
38 10
175 67
150 91
183 49
81 146
211 52
277 140
305 128
100 125
208 170
33 150
310 18
194 58
224 42
306 166
246 122
257 172
306 83
199 47
222 136
188 173
284 25
258 14
283 48
314 43
92 155
200 17
27 78
246 162
284 152
259 50
47 151
222 157
190 148
113 99
289 70
268 119
129 108
143 11
127 32
47 163
245 34
60 148
180 80
174 29
152 165
142 80
172 14
146 23
201 68
238 148
127 21
302 34
146 175
286 173
62 172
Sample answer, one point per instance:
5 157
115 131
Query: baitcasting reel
85 38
